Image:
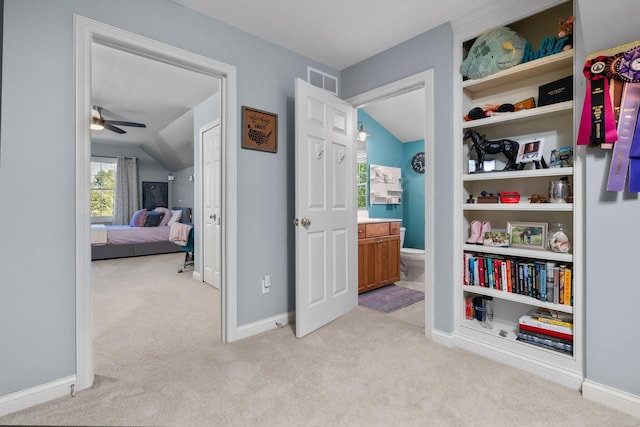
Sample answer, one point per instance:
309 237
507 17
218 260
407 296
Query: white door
326 230
211 203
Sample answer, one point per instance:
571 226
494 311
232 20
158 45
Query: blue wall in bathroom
385 149
413 197
382 149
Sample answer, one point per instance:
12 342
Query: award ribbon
634 156
626 131
597 124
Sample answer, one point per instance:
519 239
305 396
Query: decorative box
557 91
509 197
488 199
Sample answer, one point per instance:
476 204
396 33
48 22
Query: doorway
87 32
422 81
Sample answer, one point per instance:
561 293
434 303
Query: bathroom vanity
378 253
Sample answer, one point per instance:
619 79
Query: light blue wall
413 197
383 149
430 50
612 291
37 171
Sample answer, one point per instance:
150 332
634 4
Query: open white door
211 204
326 230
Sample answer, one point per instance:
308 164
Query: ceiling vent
322 80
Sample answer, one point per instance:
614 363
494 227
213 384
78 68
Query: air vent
322 80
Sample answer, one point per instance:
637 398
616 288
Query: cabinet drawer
394 228
377 229
361 231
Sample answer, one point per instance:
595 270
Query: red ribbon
597 124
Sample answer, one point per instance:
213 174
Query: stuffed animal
493 51
565 29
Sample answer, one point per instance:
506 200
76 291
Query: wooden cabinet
378 255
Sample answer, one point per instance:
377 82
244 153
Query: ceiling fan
98 122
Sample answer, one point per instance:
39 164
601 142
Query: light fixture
97 122
362 132
171 177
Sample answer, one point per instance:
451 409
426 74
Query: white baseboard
611 397
442 338
264 325
36 395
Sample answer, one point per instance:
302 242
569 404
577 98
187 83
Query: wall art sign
259 130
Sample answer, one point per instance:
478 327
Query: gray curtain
126 200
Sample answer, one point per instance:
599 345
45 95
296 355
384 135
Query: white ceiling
337 33
136 89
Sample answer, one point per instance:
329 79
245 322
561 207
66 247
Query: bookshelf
555 124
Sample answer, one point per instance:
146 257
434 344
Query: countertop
374 220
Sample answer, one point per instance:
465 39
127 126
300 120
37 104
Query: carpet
390 298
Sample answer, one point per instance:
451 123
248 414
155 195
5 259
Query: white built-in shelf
522 206
523 299
532 173
520 252
522 115
547 64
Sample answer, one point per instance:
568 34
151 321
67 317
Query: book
556 285
549 332
504 277
481 274
567 286
550 267
543 281
527 320
490 273
545 343
555 318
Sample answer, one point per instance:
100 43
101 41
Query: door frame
86 31
408 84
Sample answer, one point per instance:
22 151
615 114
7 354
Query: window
362 182
103 188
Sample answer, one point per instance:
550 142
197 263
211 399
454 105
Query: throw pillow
176 216
167 216
153 219
138 218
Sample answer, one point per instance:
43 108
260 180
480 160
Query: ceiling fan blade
112 128
121 123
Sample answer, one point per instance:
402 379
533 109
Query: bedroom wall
37 296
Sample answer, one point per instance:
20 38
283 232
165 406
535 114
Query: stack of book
548 329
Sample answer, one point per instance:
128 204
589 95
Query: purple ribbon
626 130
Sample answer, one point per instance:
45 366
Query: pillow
153 219
138 218
167 216
176 216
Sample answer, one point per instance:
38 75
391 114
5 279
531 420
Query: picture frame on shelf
530 151
527 235
496 239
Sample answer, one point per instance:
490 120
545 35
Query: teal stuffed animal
493 51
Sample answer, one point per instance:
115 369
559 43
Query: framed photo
529 235
496 238
259 130
530 151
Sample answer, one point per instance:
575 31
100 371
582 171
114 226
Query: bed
121 241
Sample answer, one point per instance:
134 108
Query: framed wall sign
259 130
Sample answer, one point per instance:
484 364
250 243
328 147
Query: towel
179 233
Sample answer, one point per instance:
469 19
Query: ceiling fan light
96 124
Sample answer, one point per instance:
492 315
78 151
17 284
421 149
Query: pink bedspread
117 234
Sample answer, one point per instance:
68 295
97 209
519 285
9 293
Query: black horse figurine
482 146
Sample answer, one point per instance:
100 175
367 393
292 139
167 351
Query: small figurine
470 199
565 29
483 146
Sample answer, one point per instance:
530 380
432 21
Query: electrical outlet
266 284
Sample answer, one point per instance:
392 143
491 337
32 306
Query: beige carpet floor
158 364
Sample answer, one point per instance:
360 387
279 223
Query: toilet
411 261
